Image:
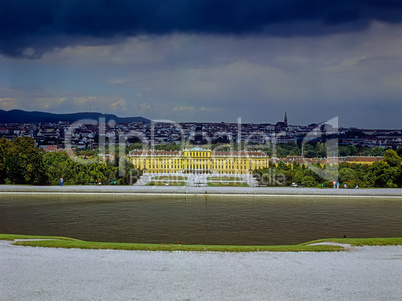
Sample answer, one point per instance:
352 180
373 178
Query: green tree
343 151
377 151
392 158
309 181
347 174
4 145
56 165
298 177
364 151
321 149
289 175
352 150
282 166
382 175
24 162
296 166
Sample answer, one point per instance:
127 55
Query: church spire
285 120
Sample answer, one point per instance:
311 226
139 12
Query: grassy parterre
228 184
359 242
225 178
65 242
166 183
170 178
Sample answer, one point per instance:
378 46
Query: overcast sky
206 60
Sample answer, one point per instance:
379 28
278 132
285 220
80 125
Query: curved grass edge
359 242
19 236
71 243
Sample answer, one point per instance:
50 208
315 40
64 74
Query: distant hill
20 116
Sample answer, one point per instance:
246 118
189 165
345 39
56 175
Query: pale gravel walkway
365 273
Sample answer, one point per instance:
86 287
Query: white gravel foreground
363 273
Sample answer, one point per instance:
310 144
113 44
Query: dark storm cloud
28 28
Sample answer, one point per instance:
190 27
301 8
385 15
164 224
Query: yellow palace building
198 161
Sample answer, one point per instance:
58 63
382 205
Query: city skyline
206 61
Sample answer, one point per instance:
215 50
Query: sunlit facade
198 161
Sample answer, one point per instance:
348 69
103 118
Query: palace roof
213 153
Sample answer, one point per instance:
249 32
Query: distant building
281 125
51 148
199 161
107 157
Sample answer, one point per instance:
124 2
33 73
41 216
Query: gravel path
397 192
364 273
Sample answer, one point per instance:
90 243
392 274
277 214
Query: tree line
386 174
21 162
311 149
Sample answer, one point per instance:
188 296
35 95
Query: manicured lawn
171 178
228 184
225 178
18 236
359 242
65 242
165 183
